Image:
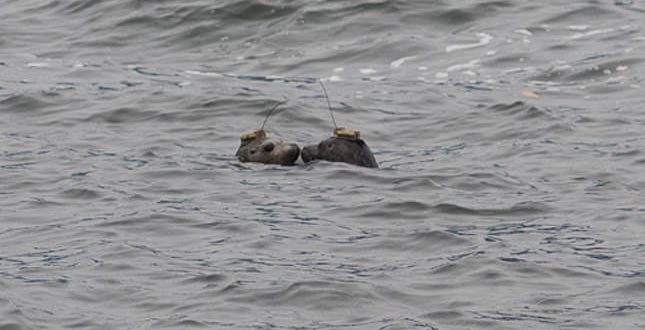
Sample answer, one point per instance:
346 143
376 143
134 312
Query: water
509 135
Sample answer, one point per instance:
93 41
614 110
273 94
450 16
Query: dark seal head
257 148
344 147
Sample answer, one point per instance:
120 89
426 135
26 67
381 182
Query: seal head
257 148
351 150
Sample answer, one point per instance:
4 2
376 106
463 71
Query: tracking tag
343 132
252 136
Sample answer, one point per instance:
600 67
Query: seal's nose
309 153
293 151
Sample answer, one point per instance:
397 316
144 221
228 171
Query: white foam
616 80
206 74
400 61
590 33
463 66
339 69
367 71
38 65
578 27
547 83
333 78
524 32
520 70
484 39
562 67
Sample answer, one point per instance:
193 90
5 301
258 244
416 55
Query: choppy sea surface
509 136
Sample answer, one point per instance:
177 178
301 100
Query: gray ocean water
509 136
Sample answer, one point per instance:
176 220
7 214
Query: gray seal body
351 150
260 149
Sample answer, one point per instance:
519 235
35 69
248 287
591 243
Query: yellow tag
252 136
343 132
530 94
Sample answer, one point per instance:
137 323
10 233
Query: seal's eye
252 151
330 146
268 147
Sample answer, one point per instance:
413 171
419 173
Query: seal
257 148
346 147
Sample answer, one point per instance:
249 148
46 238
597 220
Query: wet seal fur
257 148
346 147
